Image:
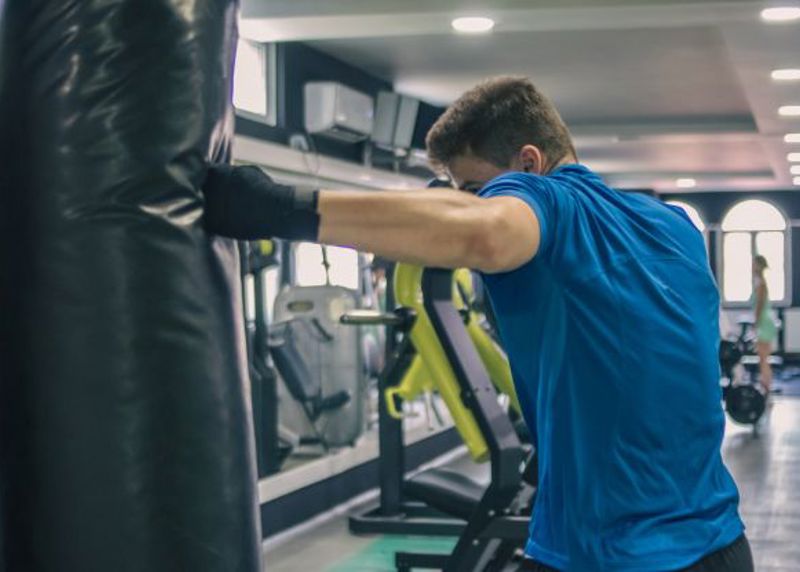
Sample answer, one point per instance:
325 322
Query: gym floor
766 467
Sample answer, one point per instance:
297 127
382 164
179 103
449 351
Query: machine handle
371 318
391 402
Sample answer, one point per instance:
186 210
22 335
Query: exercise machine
320 363
440 501
744 398
273 443
494 534
419 379
303 385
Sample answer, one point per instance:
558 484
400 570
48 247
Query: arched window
310 271
694 216
753 227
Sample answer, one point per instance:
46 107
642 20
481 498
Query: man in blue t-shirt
605 304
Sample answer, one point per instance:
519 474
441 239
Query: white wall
792 329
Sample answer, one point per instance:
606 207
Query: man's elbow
488 257
493 250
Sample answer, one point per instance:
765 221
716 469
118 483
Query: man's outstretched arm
431 227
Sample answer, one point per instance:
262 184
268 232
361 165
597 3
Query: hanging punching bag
126 438
9 262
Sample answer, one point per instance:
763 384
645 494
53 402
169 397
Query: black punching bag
125 432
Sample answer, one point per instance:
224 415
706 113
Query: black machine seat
447 491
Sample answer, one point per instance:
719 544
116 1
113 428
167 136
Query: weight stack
125 426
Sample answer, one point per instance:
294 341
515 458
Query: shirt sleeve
548 204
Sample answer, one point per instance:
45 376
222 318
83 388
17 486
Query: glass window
694 216
310 271
771 246
249 298
753 227
272 285
254 81
738 276
270 288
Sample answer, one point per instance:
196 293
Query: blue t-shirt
612 332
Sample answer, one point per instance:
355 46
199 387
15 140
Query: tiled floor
766 468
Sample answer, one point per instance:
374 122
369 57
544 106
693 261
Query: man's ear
531 159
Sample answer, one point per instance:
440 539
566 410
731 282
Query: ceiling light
473 25
796 181
793 157
791 138
781 14
786 74
795 169
685 183
789 110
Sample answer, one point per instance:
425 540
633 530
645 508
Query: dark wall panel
298 64
713 206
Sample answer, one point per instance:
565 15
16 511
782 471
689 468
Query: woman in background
764 325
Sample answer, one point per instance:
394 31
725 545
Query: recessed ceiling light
795 170
796 181
793 157
685 183
791 138
789 110
781 14
473 25
786 74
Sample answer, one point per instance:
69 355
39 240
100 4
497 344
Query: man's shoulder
562 178
569 173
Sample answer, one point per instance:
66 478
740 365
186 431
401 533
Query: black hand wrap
246 204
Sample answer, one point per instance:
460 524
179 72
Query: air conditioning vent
337 111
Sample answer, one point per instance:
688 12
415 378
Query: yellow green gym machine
430 370
416 366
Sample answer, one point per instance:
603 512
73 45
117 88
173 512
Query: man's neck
560 163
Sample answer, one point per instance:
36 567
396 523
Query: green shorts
766 332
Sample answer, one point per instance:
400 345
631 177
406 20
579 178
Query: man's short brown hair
494 119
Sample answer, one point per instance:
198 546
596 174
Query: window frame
786 301
678 202
294 250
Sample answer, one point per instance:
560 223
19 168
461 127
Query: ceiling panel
681 158
652 89
292 8
594 74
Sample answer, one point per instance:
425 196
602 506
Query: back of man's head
496 118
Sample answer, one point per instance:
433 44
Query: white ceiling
653 90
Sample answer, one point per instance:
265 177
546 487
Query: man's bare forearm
429 227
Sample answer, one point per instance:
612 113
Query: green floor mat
379 556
